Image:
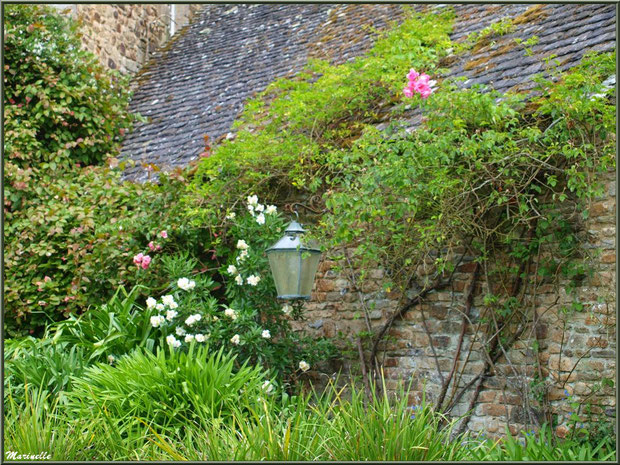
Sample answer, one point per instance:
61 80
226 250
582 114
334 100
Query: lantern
293 264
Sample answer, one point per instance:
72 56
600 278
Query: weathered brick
608 257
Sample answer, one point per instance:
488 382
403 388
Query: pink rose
146 261
412 76
151 245
137 259
424 78
47 279
408 92
164 234
425 92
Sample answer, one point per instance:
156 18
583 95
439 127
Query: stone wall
576 348
124 36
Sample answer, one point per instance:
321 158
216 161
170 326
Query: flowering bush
247 318
70 221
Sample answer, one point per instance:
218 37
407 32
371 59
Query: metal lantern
293 264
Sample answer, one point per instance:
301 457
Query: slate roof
197 85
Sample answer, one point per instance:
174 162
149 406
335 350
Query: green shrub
61 106
168 390
71 225
286 132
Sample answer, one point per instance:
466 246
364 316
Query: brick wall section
124 36
576 348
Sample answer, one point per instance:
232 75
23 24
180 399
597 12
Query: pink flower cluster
142 260
419 83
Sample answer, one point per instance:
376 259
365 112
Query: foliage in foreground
276 427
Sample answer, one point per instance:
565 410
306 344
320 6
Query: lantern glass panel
309 265
285 266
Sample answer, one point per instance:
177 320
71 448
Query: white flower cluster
243 246
258 210
172 341
230 313
190 320
186 284
195 337
232 270
236 339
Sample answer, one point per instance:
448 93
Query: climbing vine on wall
503 178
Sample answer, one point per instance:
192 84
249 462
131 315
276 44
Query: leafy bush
286 132
241 313
71 225
61 106
168 390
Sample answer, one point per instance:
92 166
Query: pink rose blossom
137 259
151 245
418 83
164 234
412 76
47 279
146 261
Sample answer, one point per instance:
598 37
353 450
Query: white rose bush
236 309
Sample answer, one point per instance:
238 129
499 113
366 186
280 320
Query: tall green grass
198 406
169 390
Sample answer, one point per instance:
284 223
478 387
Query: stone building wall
124 36
576 348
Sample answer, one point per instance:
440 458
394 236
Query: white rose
168 300
180 331
170 314
271 210
304 366
252 200
253 280
260 219
241 244
160 307
200 338
150 302
259 208
171 340
239 279
235 339
232 269
189 338
157 320
266 334
190 320
267 387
